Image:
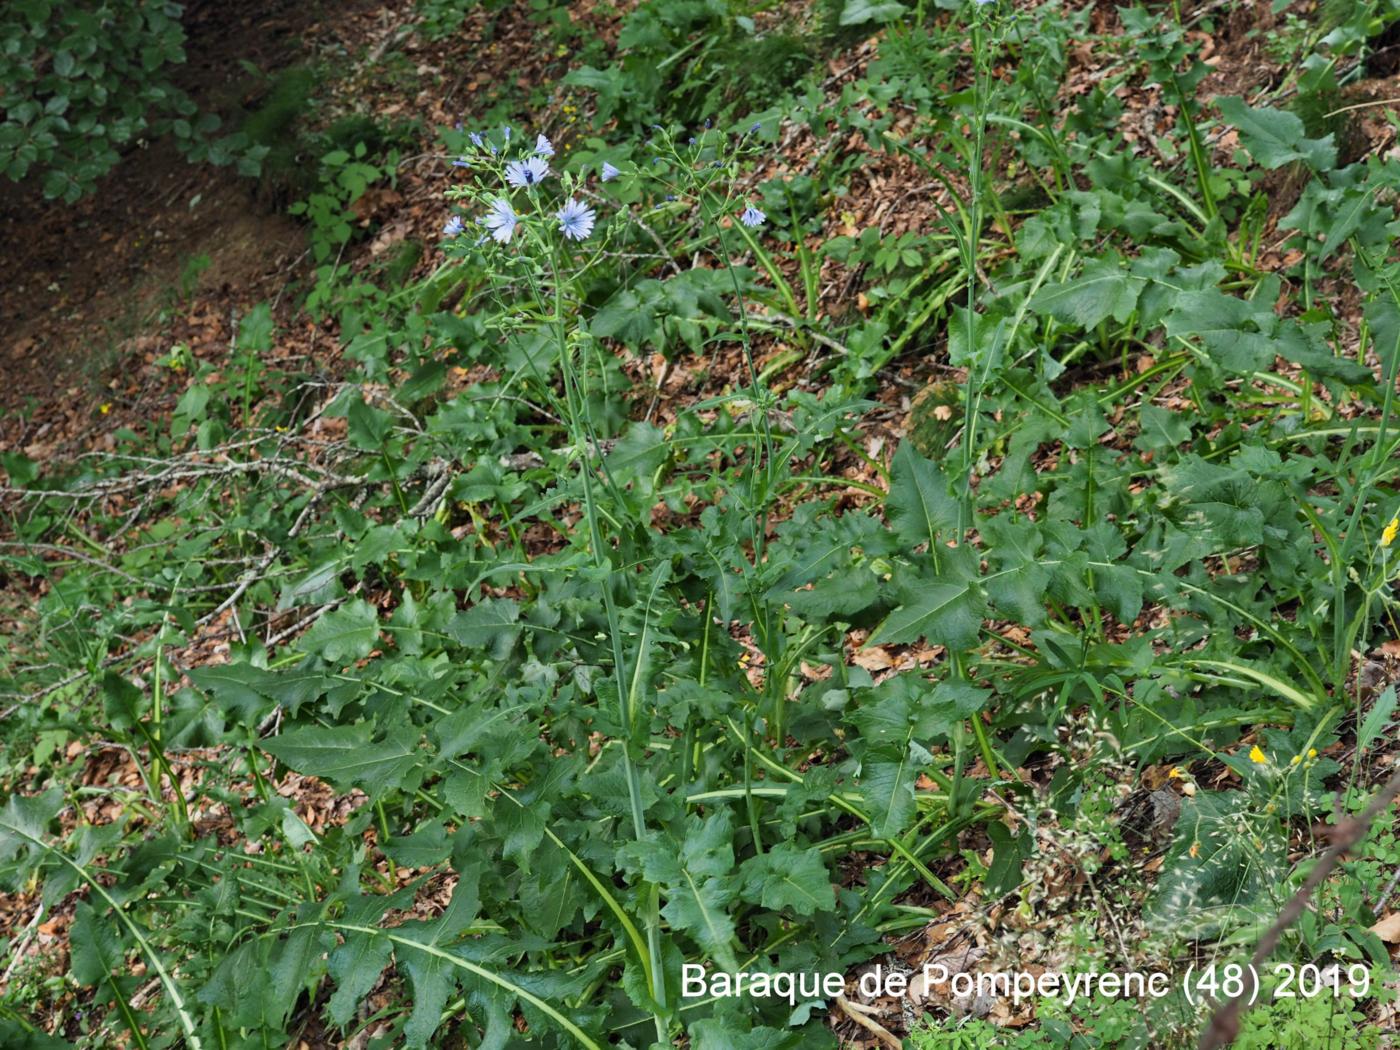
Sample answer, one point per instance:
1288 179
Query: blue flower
575 220
609 172
500 220
454 226
527 172
461 162
543 147
475 136
507 131
756 127
752 217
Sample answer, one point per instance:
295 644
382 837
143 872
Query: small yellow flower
1257 756
280 430
1312 752
1176 773
105 407
1295 760
1391 531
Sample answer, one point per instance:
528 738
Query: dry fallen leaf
1388 929
875 659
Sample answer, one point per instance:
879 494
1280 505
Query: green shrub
82 82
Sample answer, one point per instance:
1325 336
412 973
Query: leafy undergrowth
929 506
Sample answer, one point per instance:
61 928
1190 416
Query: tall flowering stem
534 226
586 441
981 358
969 243
527 220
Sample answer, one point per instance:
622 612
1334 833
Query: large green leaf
433 973
1237 334
491 624
788 876
1275 137
1101 290
699 882
919 504
637 455
24 831
860 12
348 756
235 689
947 612
299 964
887 775
95 950
345 634
356 966
631 315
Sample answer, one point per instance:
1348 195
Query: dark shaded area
1384 59
77 279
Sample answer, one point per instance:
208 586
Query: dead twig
23 944
858 1014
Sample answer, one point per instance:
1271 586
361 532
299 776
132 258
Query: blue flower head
752 217
500 220
475 136
575 220
507 134
454 226
523 174
609 172
543 147
461 162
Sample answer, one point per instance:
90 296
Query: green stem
584 441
